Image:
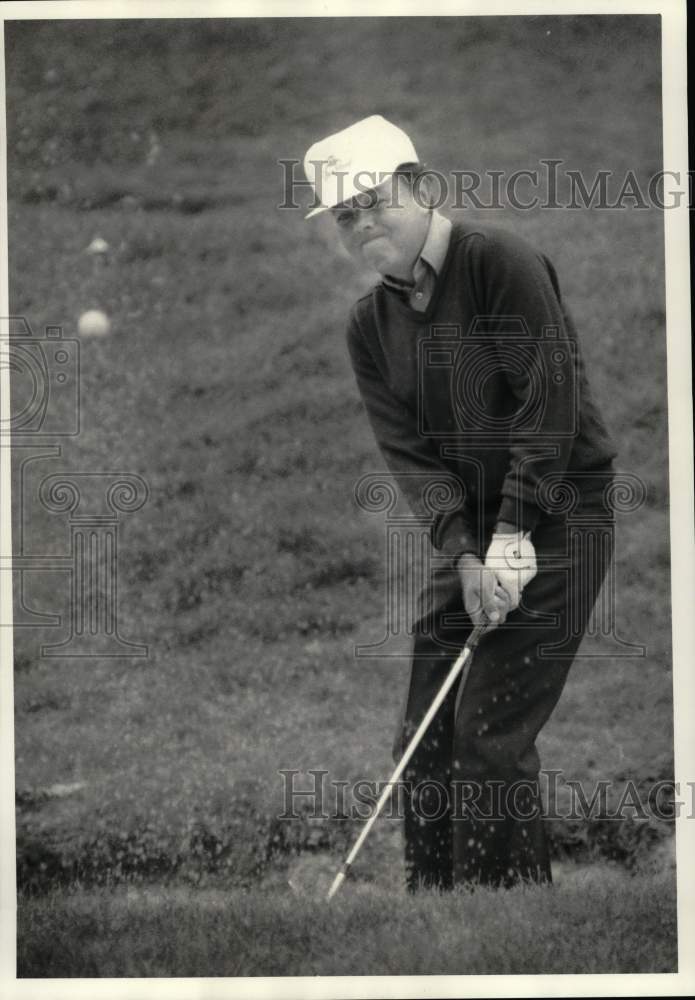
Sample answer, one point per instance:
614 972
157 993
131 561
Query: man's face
385 229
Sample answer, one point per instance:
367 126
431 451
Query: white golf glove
512 558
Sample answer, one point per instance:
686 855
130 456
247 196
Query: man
468 366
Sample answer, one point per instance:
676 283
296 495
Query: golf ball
93 323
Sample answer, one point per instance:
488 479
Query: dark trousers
473 810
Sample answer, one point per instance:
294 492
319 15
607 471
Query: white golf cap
355 160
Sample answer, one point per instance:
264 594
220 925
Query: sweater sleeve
406 451
540 365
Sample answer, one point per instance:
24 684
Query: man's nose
364 221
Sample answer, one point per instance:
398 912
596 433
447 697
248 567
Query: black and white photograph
347 501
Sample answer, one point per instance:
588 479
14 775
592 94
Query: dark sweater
487 384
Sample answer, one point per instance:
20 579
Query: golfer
470 371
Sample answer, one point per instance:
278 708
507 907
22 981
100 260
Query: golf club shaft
462 660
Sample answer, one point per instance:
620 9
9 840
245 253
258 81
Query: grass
602 922
251 573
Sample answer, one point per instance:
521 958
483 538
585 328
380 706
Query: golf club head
310 877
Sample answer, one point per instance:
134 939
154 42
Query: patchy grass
601 922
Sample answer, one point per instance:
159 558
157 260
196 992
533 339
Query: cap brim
317 211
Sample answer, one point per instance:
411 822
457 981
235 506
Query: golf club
462 663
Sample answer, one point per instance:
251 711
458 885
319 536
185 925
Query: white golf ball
93 323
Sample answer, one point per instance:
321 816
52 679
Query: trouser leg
483 747
428 829
498 836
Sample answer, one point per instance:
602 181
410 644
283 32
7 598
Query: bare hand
484 599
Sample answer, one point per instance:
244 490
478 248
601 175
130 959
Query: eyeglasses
367 201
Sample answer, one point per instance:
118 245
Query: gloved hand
512 558
483 598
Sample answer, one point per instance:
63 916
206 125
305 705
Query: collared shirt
428 265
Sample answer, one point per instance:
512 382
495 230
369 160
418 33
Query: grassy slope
251 572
